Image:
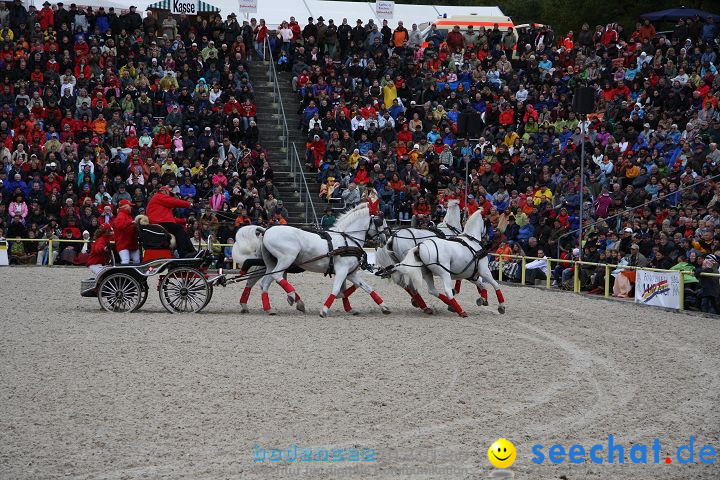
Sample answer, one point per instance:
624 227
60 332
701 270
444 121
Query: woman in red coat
100 253
126 239
162 139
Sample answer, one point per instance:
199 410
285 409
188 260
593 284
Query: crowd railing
502 260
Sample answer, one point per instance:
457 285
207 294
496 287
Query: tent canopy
673 14
275 11
165 5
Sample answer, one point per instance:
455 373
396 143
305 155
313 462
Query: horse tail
410 269
248 241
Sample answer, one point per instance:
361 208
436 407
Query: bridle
375 220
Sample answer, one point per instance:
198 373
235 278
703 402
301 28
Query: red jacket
99 254
125 234
159 208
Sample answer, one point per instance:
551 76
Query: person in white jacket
537 269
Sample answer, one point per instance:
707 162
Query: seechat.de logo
502 453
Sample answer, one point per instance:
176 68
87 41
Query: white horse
460 258
284 246
247 254
404 239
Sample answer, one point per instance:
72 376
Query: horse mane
475 222
348 217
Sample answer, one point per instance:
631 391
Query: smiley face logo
502 453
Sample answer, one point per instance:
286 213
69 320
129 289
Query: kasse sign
188 7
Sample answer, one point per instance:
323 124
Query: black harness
346 250
477 254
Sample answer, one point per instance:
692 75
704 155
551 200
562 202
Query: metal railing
609 268
303 190
292 158
502 259
55 245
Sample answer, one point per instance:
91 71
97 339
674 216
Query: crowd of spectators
99 106
381 108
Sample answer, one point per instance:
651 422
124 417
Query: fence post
51 260
548 277
522 271
607 280
682 291
500 268
576 277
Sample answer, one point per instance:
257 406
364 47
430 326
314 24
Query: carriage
184 286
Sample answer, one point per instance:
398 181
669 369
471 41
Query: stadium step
271 137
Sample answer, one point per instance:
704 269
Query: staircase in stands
271 138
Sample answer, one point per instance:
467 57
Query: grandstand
293 123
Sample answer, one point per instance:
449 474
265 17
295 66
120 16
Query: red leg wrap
444 298
265 301
420 302
453 303
330 300
457 286
346 304
349 291
483 293
245 295
286 286
376 297
500 297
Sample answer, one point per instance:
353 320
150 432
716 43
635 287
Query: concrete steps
271 138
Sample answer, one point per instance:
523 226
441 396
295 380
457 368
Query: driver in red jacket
126 238
160 211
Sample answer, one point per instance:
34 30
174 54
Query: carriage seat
156 242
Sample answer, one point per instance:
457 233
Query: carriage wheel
120 292
184 290
144 296
209 296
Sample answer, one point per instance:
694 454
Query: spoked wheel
120 292
184 290
144 296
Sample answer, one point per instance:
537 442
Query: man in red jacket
126 238
160 211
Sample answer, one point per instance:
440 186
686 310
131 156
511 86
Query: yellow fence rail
53 241
502 259
576 272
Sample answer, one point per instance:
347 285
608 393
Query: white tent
274 11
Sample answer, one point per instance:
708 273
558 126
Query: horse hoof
290 300
354 313
244 308
385 310
501 309
463 314
271 312
481 302
450 309
300 305
414 303
323 314
428 311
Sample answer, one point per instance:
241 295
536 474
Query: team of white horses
409 257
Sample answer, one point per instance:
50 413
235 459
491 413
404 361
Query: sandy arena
87 394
